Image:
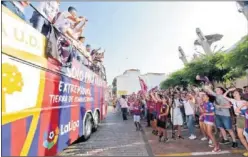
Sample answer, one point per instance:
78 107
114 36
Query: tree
220 67
12 82
237 61
114 84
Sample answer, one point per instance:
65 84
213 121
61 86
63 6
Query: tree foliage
114 84
220 67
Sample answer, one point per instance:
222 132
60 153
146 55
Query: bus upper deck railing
99 69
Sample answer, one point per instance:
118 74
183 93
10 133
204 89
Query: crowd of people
67 22
221 114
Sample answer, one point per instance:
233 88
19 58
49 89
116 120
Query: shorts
155 114
136 118
161 124
240 122
224 122
208 122
177 120
202 119
151 117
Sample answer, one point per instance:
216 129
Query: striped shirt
209 108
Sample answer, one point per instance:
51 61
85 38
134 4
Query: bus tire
87 127
96 121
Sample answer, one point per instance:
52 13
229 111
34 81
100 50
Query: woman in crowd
154 113
240 108
176 114
200 111
209 120
162 117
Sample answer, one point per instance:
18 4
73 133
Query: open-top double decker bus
45 106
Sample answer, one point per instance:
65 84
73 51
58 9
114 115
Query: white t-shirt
188 108
123 103
49 9
237 103
63 23
176 110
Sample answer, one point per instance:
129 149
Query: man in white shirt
124 106
47 11
69 24
189 108
84 51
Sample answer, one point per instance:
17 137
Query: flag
59 47
143 85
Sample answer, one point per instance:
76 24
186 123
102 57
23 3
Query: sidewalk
186 147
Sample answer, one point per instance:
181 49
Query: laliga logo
71 126
51 138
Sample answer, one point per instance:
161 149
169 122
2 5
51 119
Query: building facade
129 81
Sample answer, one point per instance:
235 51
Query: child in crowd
136 114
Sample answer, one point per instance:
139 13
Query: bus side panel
81 111
64 117
96 97
49 118
75 113
15 134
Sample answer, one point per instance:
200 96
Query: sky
146 35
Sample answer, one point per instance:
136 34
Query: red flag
143 85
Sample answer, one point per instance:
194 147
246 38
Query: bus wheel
96 121
87 127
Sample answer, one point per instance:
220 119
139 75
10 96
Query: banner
143 85
59 47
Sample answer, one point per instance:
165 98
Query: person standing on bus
69 24
17 7
41 19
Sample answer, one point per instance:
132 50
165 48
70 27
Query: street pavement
116 137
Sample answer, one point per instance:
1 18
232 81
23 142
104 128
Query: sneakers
166 139
223 141
234 145
160 138
216 150
211 145
180 137
245 154
204 139
210 142
192 137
